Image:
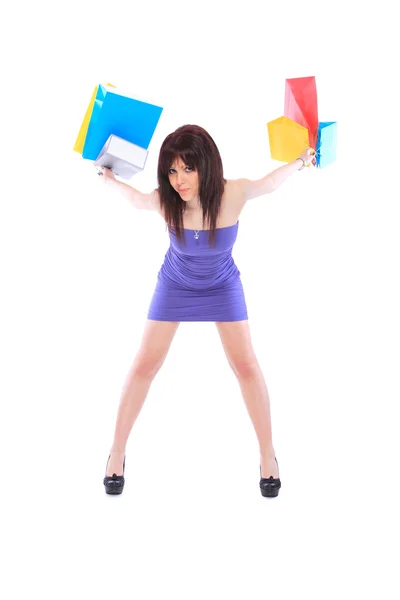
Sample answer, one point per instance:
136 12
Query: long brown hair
198 151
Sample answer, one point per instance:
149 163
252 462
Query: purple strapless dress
198 282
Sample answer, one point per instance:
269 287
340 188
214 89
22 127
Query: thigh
236 340
156 341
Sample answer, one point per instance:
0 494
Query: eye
190 169
171 171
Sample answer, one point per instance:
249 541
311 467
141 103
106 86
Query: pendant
196 236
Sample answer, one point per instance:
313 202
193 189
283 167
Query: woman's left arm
269 183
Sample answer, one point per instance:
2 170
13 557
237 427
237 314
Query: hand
308 155
105 174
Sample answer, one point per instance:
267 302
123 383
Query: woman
198 281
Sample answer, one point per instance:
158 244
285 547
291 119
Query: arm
271 182
136 198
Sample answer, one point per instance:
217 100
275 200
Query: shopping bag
123 116
326 143
301 104
123 158
80 140
287 139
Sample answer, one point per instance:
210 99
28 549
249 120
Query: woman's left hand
308 155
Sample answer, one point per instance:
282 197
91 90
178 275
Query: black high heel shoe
114 484
269 486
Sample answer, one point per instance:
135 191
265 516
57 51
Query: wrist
301 162
111 181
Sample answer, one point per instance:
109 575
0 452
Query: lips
182 191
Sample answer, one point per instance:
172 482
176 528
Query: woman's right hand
105 174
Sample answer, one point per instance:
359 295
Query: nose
180 178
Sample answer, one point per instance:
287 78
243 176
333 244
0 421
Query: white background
319 263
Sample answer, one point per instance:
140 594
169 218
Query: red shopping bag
301 105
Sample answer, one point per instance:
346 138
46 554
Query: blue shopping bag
114 114
326 143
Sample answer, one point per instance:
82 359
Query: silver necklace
196 232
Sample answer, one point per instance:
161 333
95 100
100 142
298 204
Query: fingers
310 157
103 171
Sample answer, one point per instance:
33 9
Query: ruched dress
199 282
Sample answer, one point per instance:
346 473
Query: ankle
117 451
268 453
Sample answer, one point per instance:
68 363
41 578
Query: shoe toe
114 484
270 486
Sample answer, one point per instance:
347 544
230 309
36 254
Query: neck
193 205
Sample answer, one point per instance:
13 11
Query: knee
244 367
147 367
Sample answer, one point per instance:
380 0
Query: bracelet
304 163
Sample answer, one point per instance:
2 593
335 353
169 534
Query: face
184 180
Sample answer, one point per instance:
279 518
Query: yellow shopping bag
80 140
287 139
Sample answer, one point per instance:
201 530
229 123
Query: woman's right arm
137 199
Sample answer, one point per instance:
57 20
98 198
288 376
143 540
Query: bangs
187 155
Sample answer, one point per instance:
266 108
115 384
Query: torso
231 206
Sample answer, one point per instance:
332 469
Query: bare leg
155 344
236 340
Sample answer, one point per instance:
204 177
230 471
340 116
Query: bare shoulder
234 194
